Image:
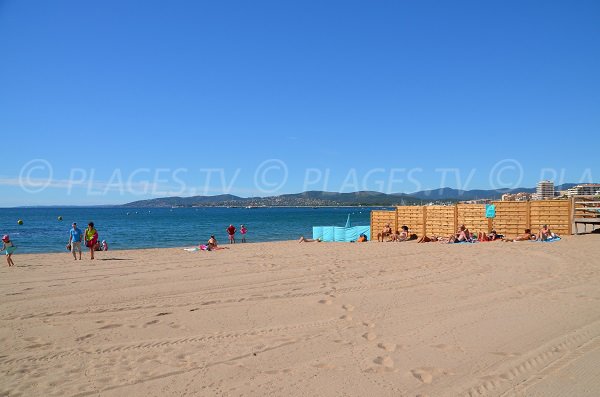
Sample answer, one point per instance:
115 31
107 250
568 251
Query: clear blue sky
94 87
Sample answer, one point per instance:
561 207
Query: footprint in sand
390 347
368 324
84 337
370 336
448 348
348 308
505 354
426 374
493 380
422 374
386 361
346 317
109 326
38 345
326 301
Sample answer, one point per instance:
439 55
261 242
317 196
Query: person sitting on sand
403 236
308 240
523 237
212 243
387 232
362 239
544 233
483 237
462 234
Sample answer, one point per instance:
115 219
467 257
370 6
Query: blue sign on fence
490 211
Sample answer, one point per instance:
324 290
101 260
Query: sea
133 228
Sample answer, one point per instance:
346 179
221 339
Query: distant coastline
317 199
332 199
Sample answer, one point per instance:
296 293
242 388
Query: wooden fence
512 218
379 219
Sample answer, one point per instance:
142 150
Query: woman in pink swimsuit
243 230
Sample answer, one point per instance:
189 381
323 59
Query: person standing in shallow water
91 238
243 231
231 232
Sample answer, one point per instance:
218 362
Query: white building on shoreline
587 189
544 191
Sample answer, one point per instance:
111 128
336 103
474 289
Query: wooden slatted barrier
554 213
512 217
412 216
381 218
440 220
473 217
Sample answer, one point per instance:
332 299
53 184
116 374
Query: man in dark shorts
231 232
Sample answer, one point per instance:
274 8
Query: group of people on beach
464 235
398 235
89 237
213 245
231 230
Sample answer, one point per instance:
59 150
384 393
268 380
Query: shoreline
85 251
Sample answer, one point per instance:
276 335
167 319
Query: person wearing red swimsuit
231 232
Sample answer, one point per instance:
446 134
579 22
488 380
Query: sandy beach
289 319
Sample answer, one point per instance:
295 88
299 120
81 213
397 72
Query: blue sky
126 100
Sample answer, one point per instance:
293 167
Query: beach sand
289 319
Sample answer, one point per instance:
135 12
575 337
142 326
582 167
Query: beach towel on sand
549 240
200 248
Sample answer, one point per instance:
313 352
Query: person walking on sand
91 238
8 248
231 232
243 230
75 236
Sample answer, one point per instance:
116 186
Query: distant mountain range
319 198
306 199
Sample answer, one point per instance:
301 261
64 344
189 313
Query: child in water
8 247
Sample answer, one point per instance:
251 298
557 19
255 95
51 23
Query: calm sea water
127 228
